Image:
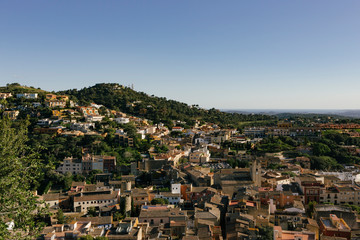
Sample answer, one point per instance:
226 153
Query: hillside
117 97
17 88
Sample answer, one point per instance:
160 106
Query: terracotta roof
51 197
205 215
78 184
97 220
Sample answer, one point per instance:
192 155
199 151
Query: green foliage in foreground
18 173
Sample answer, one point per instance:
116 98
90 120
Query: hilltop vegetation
18 88
158 109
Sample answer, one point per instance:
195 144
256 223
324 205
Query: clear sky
224 54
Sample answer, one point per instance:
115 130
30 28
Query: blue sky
224 54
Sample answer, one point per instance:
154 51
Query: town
133 172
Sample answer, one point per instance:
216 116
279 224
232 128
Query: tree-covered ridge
117 97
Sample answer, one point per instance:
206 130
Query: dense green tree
118 216
92 212
19 170
91 177
275 144
60 216
67 180
161 201
310 208
161 149
324 163
321 149
266 233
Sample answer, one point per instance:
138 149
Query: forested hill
117 97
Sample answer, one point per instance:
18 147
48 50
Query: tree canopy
19 166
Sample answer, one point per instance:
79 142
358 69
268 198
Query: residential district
191 182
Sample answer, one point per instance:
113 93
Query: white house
82 202
122 120
51 199
151 130
94 118
200 155
44 122
142 132
343 176
27 95
84 127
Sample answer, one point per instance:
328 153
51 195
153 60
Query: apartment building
55 103
311 187
124 140
341 195
88 111
71 165
98 199
90 162
201 155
